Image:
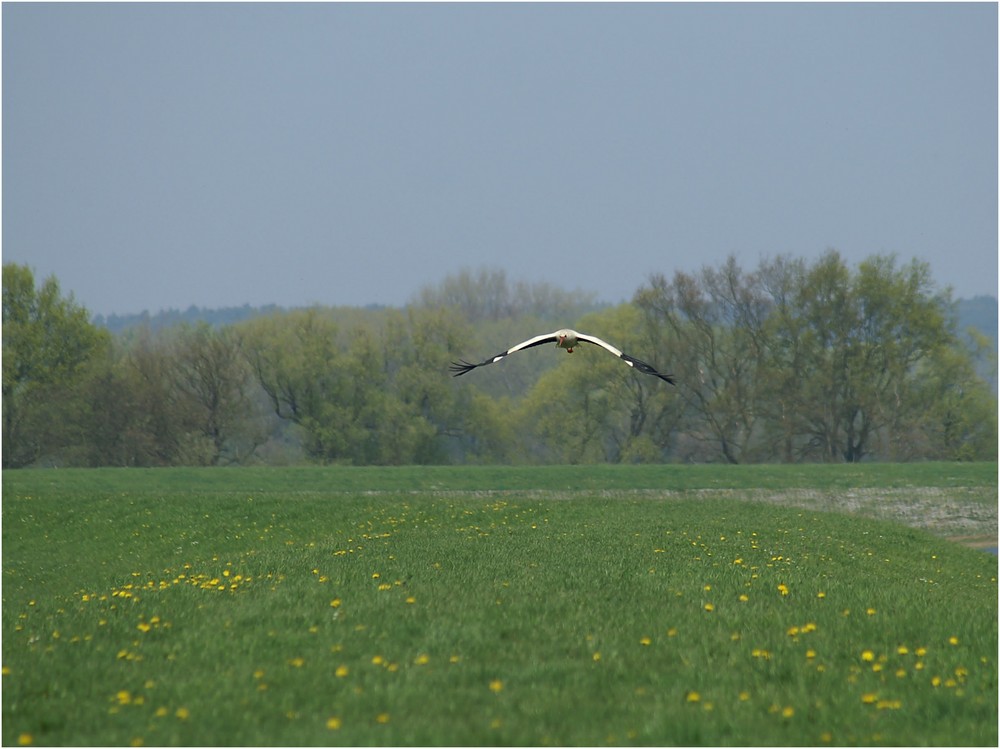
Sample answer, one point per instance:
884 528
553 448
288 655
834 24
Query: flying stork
567 339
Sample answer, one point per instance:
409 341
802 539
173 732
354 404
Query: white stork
567 339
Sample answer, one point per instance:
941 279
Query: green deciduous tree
48 341
216 384
712 328
862 342
819 361
356 396
292 356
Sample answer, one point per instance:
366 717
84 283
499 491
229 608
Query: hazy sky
163 155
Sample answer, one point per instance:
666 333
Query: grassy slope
288 607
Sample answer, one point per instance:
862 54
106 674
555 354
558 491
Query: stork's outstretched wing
630 360
461 367
567 339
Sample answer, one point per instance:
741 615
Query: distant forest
790 361
979 312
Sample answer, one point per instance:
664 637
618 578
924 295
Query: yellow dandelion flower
334 723
377 660
870 611
411 599
869 698
810 653
821 594
783 589
596 656
382 718
341 671
25 739
935 681
672 632
867 655
921 652
902 650
953 640
6 670
124 697
496 686
708 587
693 697
335 603
744 597
826 737
709 607
183 713
645 641
297 662
422 659
744 696
788 712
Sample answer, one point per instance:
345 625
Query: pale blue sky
166 155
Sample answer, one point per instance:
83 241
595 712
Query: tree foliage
47 342
799 362
789 361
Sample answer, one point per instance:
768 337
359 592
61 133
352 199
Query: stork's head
566 339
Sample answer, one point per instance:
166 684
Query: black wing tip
648 369
669 378
459 368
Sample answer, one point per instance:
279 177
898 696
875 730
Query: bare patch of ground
966 515
961 514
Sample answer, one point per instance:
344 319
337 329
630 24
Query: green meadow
601 605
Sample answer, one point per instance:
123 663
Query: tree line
791 361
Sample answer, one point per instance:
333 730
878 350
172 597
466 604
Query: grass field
471 606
